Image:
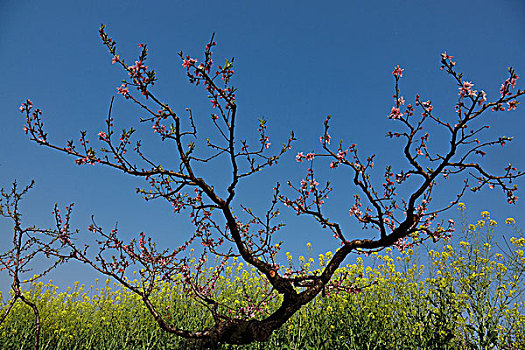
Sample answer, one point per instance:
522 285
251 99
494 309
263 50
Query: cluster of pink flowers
512 105
102 136
446 61
398 72
510 82
466 89
137 72
395 113
388 185
188 62
83 160
341 155
354 210
26 106
34 124
326 138
311 183
403 244
123 90
309 157
200 74
483 97
427 105
63 224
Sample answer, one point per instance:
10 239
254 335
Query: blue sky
296 63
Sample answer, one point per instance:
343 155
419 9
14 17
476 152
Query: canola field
462 295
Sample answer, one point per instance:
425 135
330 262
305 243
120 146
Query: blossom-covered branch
405 222
27 244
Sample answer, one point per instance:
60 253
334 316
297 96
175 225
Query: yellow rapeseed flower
518 242
510 221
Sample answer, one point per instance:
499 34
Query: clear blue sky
296 62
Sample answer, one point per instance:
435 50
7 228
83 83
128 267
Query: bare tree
28 243
400 222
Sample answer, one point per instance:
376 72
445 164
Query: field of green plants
463 295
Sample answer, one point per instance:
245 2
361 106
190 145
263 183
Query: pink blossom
310 156
136 70
512 105
401 100
354 210
102 135
26 106
341 155
299 157
505 87
466 89
325 138
188 62
483 97
115 59
398 72
123 89
502 89
395 113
